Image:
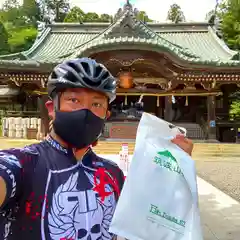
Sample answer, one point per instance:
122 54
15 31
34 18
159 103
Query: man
51 190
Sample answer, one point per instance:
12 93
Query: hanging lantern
186 102
126 80
125 100
158 103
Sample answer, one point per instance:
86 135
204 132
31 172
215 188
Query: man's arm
3 190
10 176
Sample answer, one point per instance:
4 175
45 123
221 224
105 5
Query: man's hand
184 143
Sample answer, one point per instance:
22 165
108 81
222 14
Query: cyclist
51 190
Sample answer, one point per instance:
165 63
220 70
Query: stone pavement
220 214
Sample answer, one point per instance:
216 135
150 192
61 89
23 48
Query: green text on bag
155 210
166 160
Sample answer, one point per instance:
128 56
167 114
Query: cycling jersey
52 196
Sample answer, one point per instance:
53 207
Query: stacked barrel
21 127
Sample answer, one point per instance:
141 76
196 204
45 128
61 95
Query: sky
194 10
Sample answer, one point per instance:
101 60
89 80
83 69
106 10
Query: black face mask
79 128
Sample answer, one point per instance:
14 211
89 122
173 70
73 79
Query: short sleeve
11 171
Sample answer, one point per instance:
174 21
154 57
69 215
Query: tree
76 14
105 18
12 12
235 110
229 14
142 16
32 11
10 4
4 47
57 9
91 17
22 39
175 14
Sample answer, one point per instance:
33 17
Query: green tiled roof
203 43
191 42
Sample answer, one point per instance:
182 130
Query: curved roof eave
151 45
17 55
37 42
221 43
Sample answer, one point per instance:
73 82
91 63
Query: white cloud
194 10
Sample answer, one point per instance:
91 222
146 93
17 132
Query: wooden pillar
168 109
211 105
159 107
44 115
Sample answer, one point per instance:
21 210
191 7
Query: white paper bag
159 200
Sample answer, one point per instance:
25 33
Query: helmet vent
98 71
53 75
105 75
90 82
73 66
86 67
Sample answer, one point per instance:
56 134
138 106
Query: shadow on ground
220 222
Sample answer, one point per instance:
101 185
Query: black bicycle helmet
81 73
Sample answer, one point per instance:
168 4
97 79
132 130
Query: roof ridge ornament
125 10
128 6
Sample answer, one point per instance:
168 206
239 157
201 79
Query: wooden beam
171 94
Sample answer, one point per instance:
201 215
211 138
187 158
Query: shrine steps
200 151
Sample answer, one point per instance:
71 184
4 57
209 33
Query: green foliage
106 18
91 17
235 110
229 14
12 12
175 14
75 15
31 9
21 39
142 16
18 23
4 47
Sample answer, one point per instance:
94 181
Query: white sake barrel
24 122
6 127
11 133
28 122
18 129
11 124
19 133
4 120
18 121
24 132
33 123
